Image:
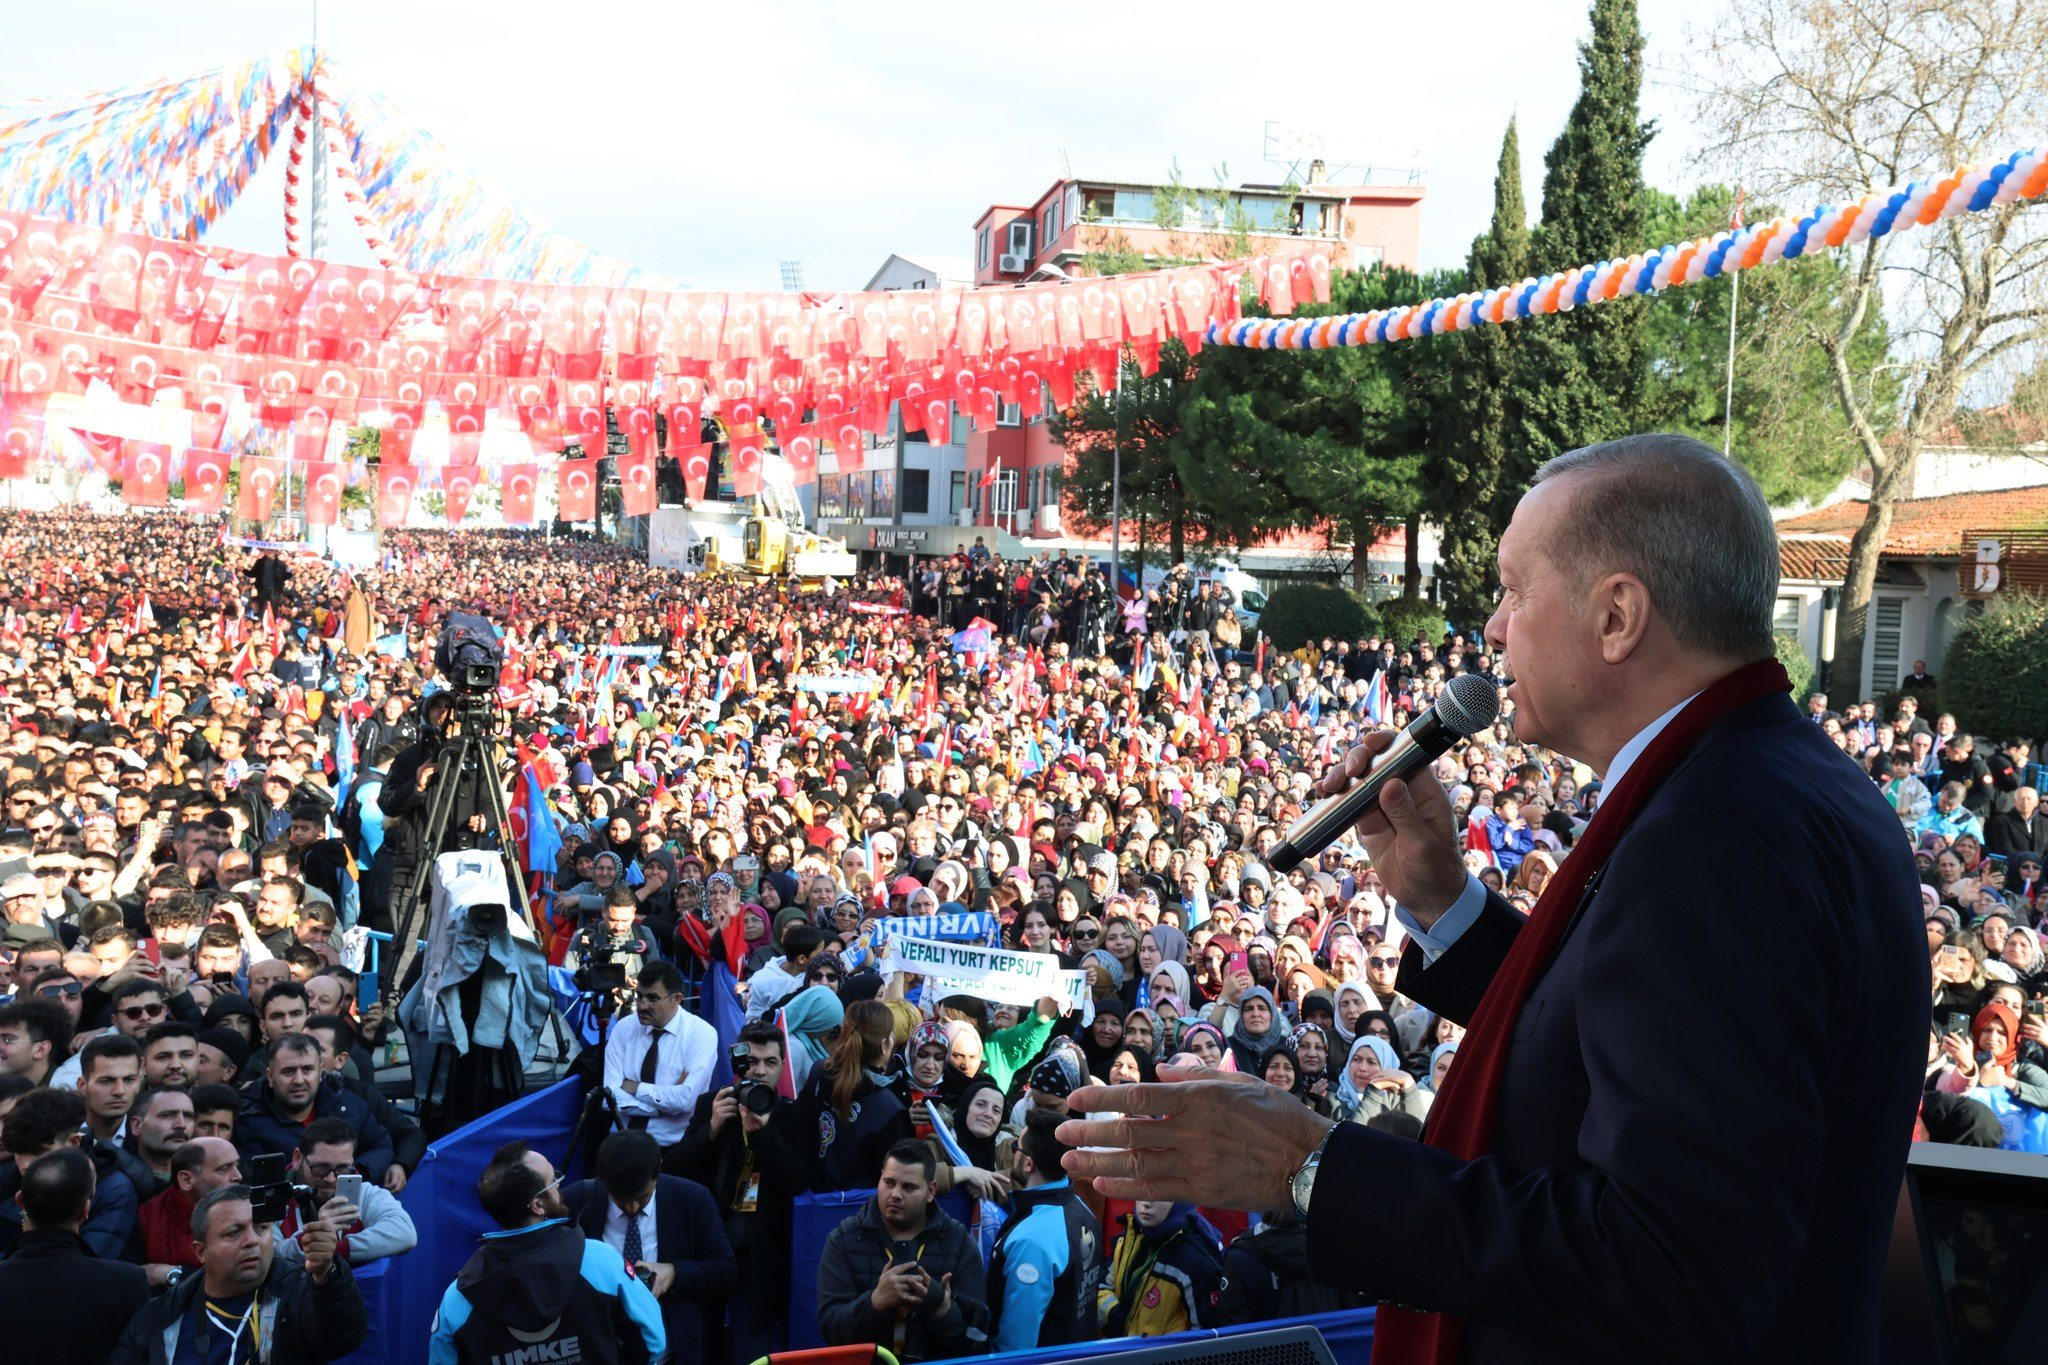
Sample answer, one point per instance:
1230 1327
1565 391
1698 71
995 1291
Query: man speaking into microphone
1625 1163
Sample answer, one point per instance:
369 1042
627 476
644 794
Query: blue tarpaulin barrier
441 1197
811 1221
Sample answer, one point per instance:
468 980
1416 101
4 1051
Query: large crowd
214 764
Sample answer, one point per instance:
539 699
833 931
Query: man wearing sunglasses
21 901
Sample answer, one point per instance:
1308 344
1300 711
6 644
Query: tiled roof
1928 527
1816 559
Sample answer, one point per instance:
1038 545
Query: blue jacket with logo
1046 1271
543 1293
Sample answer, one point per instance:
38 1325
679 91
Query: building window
956 493
917 492
1786 616
1050 489
1009 415
831 495
1367 257
882 503
981 250
1890 615
1133 206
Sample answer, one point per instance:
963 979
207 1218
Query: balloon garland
1971 189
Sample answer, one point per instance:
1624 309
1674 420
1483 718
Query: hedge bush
1404 620
1793 655
1995 677
1297 613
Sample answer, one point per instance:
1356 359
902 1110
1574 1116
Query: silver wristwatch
1302 1186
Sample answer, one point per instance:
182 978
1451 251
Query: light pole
1116 491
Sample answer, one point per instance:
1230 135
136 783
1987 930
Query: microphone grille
1468 704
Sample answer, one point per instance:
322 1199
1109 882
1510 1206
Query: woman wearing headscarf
1258 1030
1142 1031
1373 1083
1162 943
2023 954
1352 1005
1995 1068
1176 982
922 1077
1311 1047
848 1101
1103 1035
1439 1065
976 1124
809 1015
1207 1042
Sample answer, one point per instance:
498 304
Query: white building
1918 603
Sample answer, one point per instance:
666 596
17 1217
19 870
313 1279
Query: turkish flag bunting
324 479
576 489
938 419
636 485
206 480
638 425
105 451
520 480
260 476
145 474
685 427
394 445
458 485
396 481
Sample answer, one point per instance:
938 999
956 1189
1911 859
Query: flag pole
1734 305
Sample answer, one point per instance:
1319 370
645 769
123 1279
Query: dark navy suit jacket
1708 1097
691 1237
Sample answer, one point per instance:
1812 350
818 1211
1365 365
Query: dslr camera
757 1096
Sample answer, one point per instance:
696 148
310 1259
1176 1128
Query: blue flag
543 840
720 1007
344 755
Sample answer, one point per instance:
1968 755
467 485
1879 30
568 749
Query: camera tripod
465 785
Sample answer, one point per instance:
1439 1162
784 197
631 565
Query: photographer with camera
615 942
668 1231
744 1147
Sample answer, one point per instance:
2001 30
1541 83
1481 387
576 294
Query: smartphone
350 1187
1237 962
2037 1008
1959 1024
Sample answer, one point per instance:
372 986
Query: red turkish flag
396 481
206 480
207 426
696 463
637 424
938 420
458 485
636 485
583 414
576 489
21 442
145 474
685 427
324 479
260 478
800 448
520 482
744 454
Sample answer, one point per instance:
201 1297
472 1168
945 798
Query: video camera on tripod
602 975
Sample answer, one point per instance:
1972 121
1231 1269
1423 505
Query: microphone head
1468 704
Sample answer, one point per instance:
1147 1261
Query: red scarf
1461 1120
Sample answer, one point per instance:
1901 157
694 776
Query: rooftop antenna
1066 166
792 276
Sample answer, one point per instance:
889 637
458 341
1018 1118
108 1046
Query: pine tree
1584 375
1478 422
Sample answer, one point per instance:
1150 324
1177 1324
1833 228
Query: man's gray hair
1689 522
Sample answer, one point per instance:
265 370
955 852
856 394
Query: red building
1074 219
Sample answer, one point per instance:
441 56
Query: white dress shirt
689 1050
615 1221
1464 911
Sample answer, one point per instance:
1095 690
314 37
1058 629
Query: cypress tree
1585 373
1478 425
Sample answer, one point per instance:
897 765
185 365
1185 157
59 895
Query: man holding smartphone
368 1221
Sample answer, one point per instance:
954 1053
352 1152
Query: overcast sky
710 142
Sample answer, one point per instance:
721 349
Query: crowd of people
213 763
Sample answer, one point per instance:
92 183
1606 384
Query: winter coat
857 1253
301 1320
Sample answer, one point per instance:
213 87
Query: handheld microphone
1468 704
